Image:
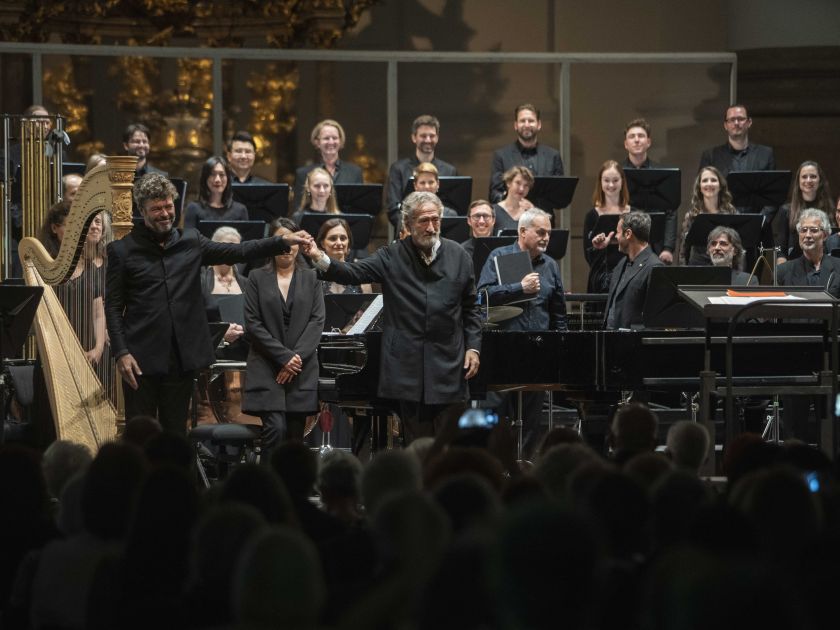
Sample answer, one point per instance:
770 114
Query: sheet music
742 301
368 317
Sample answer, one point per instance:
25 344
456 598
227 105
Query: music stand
482 248
248 230
360 225
18 305
341 308
455 192
758 189
557 242
455 228
359 198
72 168
654 188
265 202
606 223
550 192
664 306
748 226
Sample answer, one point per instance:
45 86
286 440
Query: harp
81 411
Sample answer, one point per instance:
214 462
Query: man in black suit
425 132
158 330
629 280
637 141
432 326
540 159
738 154
136 142
813 268
725 250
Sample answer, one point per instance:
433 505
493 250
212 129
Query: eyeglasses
810 229
481 216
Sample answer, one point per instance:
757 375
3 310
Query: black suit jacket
798 273
153 295
628 290
757 157
399 174
430 318
345 173
273 345
544 161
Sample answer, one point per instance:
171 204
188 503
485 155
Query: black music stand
482 248
758 189
654 188
550 192
748 226
360 225
72 168
455 229
265 202
455 192
557 242
606 223
665 308
18 305
342 308
359 198
248 230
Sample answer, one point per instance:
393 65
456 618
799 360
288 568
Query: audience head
555 468
687 444
611 182
335 238
425 131
111 484
254 485
481 217
155 196
389 472
558 435
226 234
169 449
469 501
458 460
724 247
215 180
633 428
278 582
61 461
647 469
140 429
519 180
242 153
340 477
297 467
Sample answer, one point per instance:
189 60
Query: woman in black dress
284 319
601 250
215 196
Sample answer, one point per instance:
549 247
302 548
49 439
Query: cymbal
498 314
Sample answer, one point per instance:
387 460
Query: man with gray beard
725 250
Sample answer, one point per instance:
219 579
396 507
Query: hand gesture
290 370
234 332
531 283
602 240
129 370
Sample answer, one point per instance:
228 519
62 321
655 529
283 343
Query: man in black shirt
136 142
540 159
637 141
425 132
738 154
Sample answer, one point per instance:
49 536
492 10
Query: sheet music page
741 301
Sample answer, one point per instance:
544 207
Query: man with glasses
154 307
738 154
542 299
481 217
814 268
431 331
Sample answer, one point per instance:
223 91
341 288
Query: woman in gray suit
284 318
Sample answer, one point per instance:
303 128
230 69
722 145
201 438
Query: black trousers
422 420
165 397
280 425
